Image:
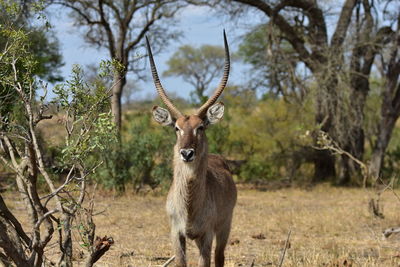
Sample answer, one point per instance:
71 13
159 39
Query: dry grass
330 227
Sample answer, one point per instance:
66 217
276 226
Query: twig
390 187
388 232
41 219
100 246
327 143
252 263
8 164
284 250
168 261
67 180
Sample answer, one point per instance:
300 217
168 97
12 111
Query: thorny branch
325 142
24 156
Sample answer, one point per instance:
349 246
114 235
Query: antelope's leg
221 240
204 243
179 247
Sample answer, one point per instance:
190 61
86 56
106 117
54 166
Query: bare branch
170 260
314 14
295 40
10 148
5 161
145 29
67 180
325 142
107 27
343 23
44 217
88 20
285 248
116 11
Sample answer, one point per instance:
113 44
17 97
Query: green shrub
143 158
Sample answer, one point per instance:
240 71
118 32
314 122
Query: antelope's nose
187 155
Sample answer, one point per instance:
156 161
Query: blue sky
199 25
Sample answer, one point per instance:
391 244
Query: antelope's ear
162 116
215 113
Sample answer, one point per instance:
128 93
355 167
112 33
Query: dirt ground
329 227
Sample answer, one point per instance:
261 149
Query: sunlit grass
330 227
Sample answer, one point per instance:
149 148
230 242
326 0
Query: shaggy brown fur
201 199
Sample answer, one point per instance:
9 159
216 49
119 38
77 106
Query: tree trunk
353 130
390 109
355 146
66 244
324 166
119 81
385 132
326 103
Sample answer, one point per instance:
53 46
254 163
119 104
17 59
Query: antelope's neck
190 182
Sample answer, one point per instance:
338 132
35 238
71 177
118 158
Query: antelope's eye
201 128
176 129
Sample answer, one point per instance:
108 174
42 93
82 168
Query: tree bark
382 142
11 243
355 139
119 81
390 108
362 58
66 243
326 106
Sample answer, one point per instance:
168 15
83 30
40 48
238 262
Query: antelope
203 194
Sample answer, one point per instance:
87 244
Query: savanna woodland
310 130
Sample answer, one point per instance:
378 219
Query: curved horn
157 83
203 109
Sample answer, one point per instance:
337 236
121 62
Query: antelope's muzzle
187 155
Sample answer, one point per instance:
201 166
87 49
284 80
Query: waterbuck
202 195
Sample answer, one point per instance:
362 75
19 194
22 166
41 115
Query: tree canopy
120 26
43 44
198 67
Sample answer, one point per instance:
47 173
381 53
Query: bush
266 134
143 158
